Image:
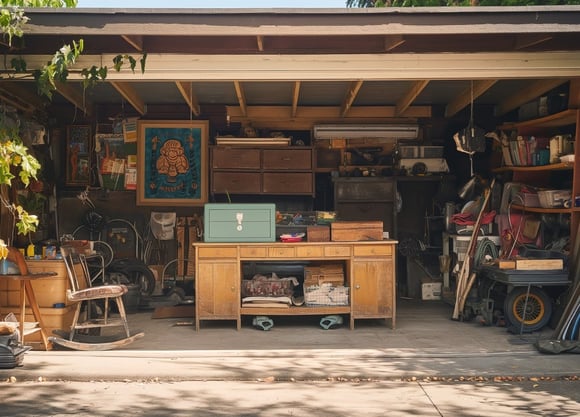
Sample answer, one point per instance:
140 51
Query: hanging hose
485 247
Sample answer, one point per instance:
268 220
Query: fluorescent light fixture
366 131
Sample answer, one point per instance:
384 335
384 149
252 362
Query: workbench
369 272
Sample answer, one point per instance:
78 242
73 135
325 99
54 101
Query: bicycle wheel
136 273
105 250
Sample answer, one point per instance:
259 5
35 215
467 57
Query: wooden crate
318 233
345 231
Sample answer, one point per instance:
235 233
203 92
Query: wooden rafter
241 96
533 90
405 101
130 94
279 117
260 42
531 39
350 96
295 96
74 96
19 97
186 90
135 41
464 99
393 41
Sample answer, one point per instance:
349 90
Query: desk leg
35 312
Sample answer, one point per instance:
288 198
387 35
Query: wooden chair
85 318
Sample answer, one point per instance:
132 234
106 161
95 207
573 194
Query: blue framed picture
172 162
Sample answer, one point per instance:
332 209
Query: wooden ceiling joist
186 90
535 89
405 101
260 42
465 98
74 96
130 94
295 97
529 40
241 97
351 94
135 41
21 98
393 41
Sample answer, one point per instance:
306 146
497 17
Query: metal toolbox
239 222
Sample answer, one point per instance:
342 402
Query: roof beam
241 96
67 90
531 39
533 90
186 90
393 41
19 97
405 101
260 42
467 96
130 94
350 96
295 97
278 117
135 41
335 67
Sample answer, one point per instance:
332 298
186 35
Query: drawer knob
357 287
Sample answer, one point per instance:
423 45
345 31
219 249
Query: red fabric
466 219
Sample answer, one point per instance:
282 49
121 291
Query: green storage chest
239 222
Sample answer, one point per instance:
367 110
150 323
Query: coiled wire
485 247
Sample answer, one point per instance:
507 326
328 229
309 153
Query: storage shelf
541 209
564 118
295 311
560 166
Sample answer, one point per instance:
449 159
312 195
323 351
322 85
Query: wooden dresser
369 273
251 170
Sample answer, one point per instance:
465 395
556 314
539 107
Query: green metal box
239 222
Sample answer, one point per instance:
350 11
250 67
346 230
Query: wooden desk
369 272
26 291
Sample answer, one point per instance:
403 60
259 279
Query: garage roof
290 68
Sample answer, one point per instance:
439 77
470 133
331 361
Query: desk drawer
287 159
282 252
236 182
235 158
218 252
373 250
253 252
309 251
336 251
288 183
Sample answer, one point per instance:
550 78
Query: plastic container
554 198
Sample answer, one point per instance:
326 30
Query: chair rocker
91 317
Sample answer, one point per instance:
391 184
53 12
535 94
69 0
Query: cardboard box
239 222
349 231
318 233
431 291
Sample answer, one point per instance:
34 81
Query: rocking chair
89 318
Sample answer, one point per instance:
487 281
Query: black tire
538 308
136 273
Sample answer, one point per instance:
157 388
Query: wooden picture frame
78 155
172 162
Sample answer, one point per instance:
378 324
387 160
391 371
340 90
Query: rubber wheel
136 274
538 308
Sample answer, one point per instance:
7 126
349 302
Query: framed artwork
78 155
172 162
